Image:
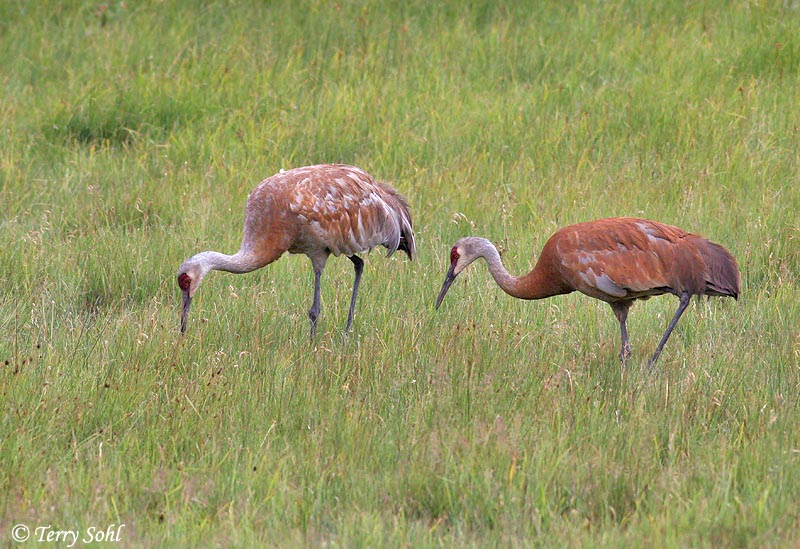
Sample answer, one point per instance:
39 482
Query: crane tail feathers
403 240
722 272
407 244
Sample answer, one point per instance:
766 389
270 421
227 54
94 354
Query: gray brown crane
617 260
317 211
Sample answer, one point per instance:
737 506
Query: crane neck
537 284
237 263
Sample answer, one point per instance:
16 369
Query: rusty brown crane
616 260
317 211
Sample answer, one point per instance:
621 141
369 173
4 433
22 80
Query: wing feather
620 258
343 209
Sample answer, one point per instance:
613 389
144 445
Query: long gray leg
621 309
358 264
685 297
318 263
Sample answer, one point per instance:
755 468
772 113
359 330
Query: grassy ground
133 132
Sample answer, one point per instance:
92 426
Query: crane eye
184 281
454 255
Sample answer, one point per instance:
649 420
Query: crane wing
619 258
344 209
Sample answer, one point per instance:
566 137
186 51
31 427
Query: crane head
190 275
464 252
451 275
185 283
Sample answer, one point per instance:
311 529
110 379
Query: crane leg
313 312
358 264
316 307
685 297
621 309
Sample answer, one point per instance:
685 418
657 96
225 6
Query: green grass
131 136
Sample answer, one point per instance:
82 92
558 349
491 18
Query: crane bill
187 301
451 276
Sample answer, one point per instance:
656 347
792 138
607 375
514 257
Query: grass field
130 136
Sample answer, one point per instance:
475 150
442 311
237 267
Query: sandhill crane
616 260
317 211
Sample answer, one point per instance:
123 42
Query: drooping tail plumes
722 273
400 206
407 244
